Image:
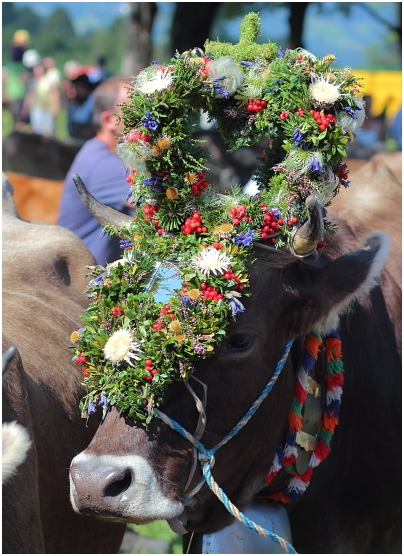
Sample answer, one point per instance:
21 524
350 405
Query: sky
347 38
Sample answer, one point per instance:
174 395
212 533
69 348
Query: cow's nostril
119 486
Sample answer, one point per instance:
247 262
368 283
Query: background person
15 76
43 102
80 108
102 172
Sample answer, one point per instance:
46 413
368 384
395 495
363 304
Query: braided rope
287 547
259 400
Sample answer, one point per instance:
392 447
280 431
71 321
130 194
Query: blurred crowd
35 90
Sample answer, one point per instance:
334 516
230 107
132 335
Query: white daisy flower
121 347
162 80
323 93
211 261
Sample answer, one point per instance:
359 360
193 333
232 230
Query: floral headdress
186 253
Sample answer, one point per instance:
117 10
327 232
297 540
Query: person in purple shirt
102 172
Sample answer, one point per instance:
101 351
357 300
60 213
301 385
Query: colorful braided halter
286 454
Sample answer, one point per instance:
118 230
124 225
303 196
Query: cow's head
139 474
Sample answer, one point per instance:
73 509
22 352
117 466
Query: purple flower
345 183
276 212
315 165
281 52
150 121
246 63
91 408
245 239
103 400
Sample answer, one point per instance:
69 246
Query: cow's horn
311 232
106 216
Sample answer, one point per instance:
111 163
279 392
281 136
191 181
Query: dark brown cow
353 504
43 283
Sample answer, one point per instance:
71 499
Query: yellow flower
179 337
74 336
224 230
172 193
175 326
191 178
330 58
156 150
163 142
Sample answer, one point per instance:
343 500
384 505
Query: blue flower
235 309
80 330
124 243
297 137
281 52
150 121
220 90
246 63
345 183
186 301
276 212
351 112
245 239
155 182
91 408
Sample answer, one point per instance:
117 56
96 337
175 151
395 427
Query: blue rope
239 515
206 456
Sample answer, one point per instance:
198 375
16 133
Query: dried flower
323 93
162 80
121 347
211 261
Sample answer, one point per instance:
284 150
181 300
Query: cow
38 156
137 473
43 283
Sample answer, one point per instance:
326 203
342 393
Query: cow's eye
239 341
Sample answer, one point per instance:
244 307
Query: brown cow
353 504
43 281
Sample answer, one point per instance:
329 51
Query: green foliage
160 530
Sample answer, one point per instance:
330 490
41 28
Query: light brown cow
43 281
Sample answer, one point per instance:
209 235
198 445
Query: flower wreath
142 331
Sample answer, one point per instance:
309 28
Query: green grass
160 530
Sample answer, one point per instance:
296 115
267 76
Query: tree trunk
191 24
297 12
138 49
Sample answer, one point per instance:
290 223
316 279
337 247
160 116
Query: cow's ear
348 278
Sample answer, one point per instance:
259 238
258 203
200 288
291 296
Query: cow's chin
208 516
